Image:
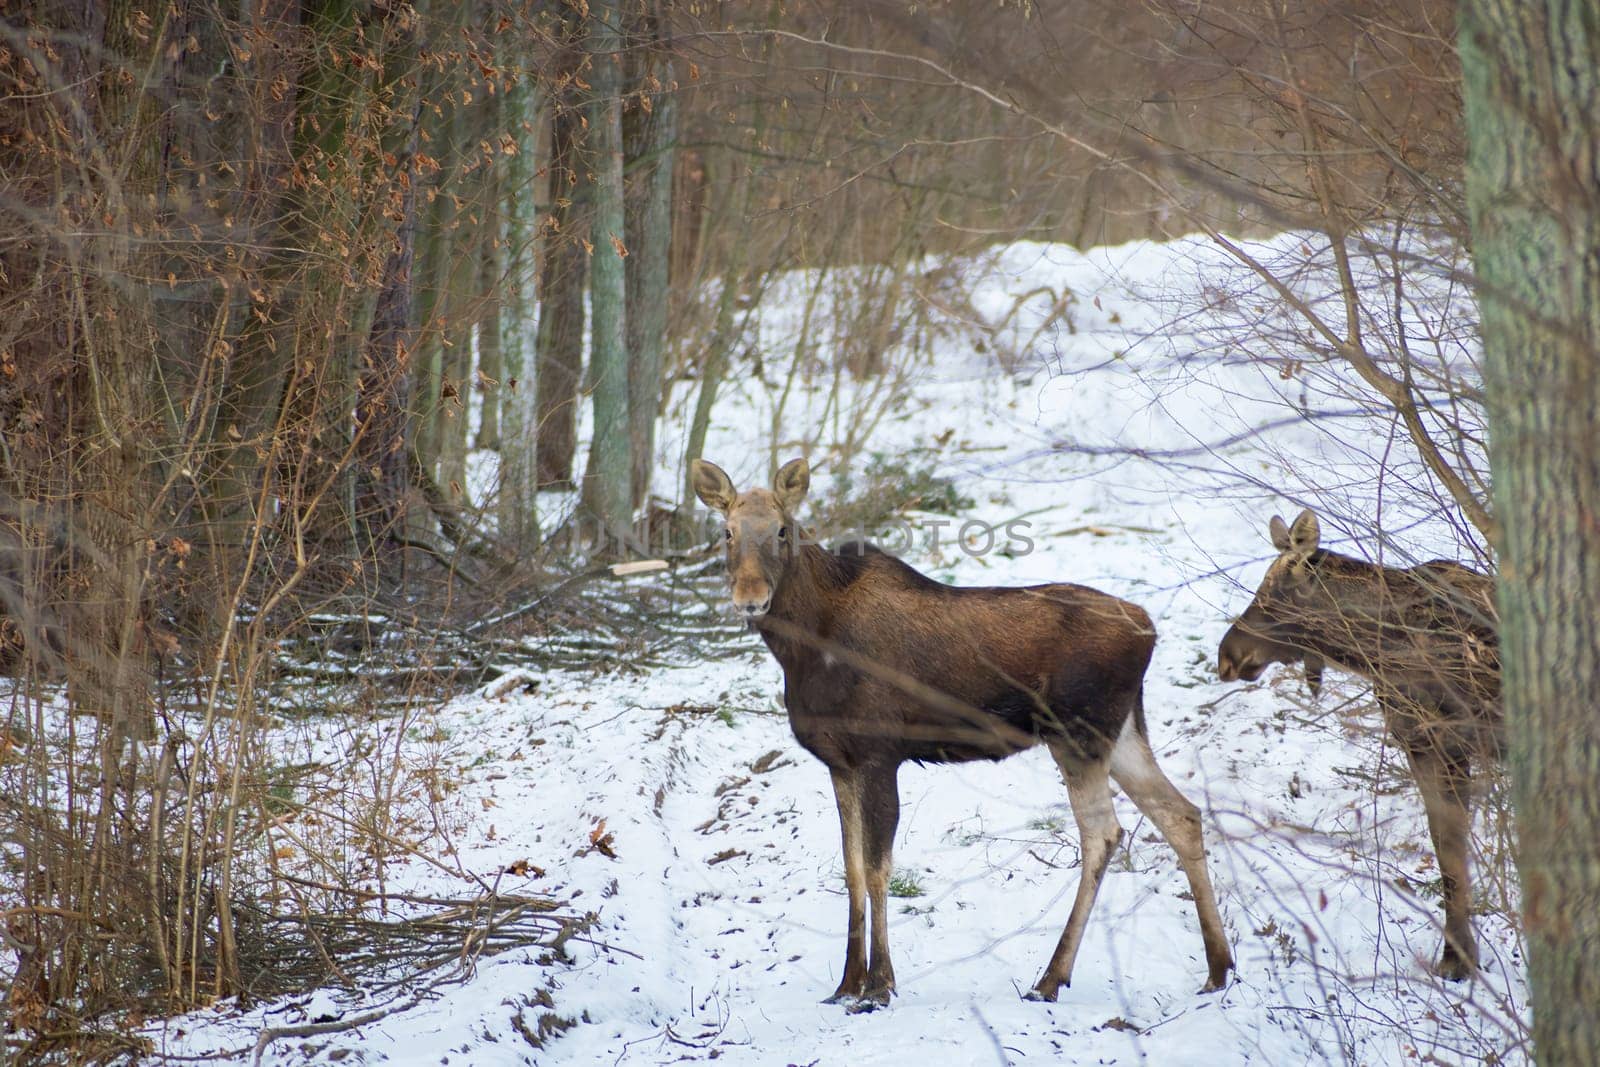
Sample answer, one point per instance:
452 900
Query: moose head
759 531
1275 627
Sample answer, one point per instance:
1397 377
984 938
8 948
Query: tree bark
460 307
491 266
433 252
519 523
648 140
561 285
383 398
438 249
608 482
318 393
1532 90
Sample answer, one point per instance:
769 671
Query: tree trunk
383 402
437 251
433 286
319 390
460 306
491 269
608 482
648 136
561 285
519 524
1532 90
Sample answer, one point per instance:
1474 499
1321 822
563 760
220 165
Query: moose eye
727 533
783 533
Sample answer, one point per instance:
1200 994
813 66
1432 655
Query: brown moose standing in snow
882 665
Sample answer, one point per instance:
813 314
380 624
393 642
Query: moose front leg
847 794
1444 779
880 816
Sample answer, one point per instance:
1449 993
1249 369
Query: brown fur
882 665
1426 638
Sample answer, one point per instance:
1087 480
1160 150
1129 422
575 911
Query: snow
721 916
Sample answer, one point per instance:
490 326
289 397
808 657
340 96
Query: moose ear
712 485
789 485
1300 539
1305 534
1280 533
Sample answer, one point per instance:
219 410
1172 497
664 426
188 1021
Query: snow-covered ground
721 910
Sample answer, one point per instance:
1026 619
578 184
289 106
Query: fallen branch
274 1033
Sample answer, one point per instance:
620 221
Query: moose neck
1366 612
803 606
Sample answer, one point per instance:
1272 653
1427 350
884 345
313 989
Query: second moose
882 665
1426 639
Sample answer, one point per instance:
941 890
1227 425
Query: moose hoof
1043 993
1453 967
1217 981
876 988
849 991
873 999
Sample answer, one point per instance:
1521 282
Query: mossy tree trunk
490 263
491 268
608 481
1532 91
437 252
514 260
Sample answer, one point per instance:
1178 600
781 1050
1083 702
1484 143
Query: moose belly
896 731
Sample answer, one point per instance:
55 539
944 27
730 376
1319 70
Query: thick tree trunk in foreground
1532 91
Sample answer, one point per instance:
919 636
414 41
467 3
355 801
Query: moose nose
1246 668
754 609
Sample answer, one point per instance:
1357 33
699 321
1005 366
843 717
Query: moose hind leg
1444 780
880 816
847 793
1134 767
1089 791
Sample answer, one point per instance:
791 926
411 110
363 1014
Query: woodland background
259 261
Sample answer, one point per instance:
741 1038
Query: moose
882 664
1425 637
